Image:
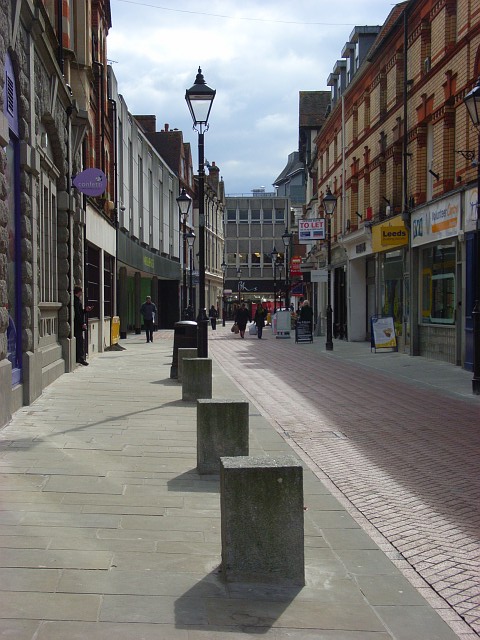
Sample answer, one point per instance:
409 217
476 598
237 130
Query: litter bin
185 337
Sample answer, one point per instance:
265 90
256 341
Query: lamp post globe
472 102
329 204
199 99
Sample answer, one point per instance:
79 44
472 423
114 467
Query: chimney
166 127
213 177
148 123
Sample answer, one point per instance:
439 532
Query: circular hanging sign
91 182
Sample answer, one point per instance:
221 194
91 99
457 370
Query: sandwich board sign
382 331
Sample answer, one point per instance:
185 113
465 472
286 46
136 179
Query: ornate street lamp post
472 102
287 238
200 99
224 271
191 241
274 256
329 204
184 201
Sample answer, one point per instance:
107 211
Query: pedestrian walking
80 325
213 315
149 312
259 319
241 318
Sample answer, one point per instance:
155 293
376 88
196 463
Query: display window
438 284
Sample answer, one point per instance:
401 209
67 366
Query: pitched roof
312 108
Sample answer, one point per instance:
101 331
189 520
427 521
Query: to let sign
311 230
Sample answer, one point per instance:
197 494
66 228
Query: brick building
402 232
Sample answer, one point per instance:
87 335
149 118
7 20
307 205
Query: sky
257 54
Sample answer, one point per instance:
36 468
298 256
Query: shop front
390 245
472 271
435 229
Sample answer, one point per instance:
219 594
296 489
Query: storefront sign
436 221
391 234
115 330
311 230
91 182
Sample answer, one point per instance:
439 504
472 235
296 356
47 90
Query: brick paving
404 455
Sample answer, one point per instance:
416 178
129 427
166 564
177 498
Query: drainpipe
113 105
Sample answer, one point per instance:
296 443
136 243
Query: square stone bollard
184 353
222 430
261 501
196 378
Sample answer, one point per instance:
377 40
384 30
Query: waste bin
185 337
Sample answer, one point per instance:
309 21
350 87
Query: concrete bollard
196 378
222 430
184 353
261 501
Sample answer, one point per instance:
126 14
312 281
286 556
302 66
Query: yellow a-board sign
115 330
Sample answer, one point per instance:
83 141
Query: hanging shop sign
295 266
388 235
91 182
471 209
311 230
436 221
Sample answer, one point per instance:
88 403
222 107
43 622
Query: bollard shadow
192 481
240 607
167 382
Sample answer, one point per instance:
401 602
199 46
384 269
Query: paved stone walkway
396 439
108 532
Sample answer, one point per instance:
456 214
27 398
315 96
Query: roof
312 108
293 166
393 16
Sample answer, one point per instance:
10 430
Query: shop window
438 284
108 274
392 288
93 279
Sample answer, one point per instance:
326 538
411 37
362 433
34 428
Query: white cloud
255 60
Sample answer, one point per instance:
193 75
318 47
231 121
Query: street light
329 204
472 102
184 202
190 236
239 275
224 271
287 238
200 99
274 256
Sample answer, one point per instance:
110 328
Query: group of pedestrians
243 317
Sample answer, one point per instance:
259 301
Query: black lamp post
200 99
274 256
184 201
329 204
239 275
224 271
190 237
472 102
287 238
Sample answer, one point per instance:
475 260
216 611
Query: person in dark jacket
259 319
306 314
79 325
212 314
148 311
241 318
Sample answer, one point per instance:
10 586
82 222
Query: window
93 278
255 216
243 215
108 271
267 215
438 284
231 215
279 216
